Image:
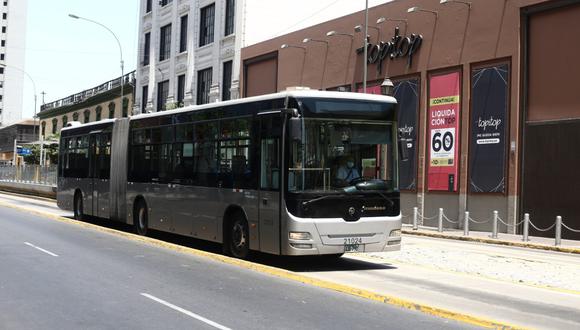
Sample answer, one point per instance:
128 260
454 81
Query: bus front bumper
337 236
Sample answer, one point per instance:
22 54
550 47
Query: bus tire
238 236
78 206
141 218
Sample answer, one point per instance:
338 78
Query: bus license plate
353 244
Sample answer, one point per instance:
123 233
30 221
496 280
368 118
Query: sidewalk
540 243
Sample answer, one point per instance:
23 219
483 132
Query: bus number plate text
353 244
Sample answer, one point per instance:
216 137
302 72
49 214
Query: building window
54 125
165 2
2 57
1 70
87 115
144 95
230 13
111 110
162 93
43 125
183 34
165 42
98 111
148 6
3 43
146 48
207 18
125 107
76 116
227 81
203 85
3 29
64 120
180 89
4 16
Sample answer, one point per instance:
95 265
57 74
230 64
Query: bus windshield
334 155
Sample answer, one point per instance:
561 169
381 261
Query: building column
214 93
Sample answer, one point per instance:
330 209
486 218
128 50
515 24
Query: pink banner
443 135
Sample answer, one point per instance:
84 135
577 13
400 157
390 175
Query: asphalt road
55 275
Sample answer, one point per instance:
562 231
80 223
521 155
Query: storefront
487 95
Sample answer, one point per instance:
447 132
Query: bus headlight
395 233
299 235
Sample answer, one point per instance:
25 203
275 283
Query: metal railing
33 174
495 219
129 78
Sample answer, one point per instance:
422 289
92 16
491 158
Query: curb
284 274
493 241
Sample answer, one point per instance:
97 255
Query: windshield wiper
306 203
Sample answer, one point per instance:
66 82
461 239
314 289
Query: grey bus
291 173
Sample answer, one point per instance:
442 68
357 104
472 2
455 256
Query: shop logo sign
398 46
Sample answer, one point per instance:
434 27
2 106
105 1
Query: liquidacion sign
397 47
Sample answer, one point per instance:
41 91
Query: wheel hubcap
141 218
239 236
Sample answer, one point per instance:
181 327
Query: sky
65 56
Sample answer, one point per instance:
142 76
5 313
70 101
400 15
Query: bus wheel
140 219
78 206
239 237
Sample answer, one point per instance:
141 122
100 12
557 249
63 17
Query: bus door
270 177
100 164
91 205
103 173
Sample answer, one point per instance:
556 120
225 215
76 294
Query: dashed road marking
186 312
41 249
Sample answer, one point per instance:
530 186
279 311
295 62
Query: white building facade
12 59
189 53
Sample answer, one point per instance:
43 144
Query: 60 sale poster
444 107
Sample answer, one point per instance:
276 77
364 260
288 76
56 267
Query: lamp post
383 19
467 3
33 88
307 40
118 43
335 33
285 46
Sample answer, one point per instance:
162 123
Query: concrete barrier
33 189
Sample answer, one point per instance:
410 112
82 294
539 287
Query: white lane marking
41 249
186 312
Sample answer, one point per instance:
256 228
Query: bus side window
270 165
270 133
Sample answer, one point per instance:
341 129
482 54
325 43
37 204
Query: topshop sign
397 47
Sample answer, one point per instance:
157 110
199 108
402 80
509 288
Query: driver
347 172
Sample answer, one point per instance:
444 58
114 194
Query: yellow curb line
430 310
492 241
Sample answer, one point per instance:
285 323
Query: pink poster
443 135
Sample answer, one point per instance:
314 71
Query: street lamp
286 46
383 19
307 40
387 87
467 3
118 43
34 90
418 9
335 33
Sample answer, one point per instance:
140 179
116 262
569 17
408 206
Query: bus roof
280 95
294 93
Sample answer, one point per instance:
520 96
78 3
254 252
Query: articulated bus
293 173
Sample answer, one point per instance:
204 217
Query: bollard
466 224
440 221
415 216
526 227
558 230
494 233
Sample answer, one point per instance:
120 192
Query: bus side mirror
295 129
403 150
